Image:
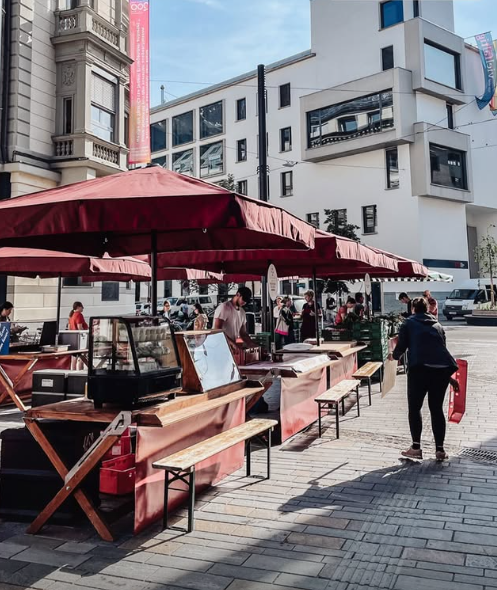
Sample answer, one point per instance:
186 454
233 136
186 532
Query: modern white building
63 119
376 121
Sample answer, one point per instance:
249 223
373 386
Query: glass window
442 66
313 219
211 159
67 114
211 120
369 219
158 136
183 128
287 184
448 167
338 218
162 161
392 157
183 162
285 96
450 116
110 291
242 187
241 109
75 282
415 8
348 120
241 150
392 12
387 62
286 139
103 107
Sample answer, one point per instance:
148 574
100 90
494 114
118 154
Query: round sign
272 282
367 285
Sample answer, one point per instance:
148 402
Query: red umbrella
147 210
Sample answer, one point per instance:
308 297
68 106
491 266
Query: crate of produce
337 335
370 330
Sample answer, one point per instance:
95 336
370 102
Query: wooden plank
79 410
151 417
187 458
338 391
368 370
42 355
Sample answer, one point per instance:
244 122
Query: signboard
139 81
272 282
367 285
489 62
4 337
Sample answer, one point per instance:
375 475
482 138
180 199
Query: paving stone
315 540
33 575
244 573
434 556
10 549
291 566
305 582
80 548
412 583
47 557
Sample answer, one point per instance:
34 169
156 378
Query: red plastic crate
117 476
120 463
120 448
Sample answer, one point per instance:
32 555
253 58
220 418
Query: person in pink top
432 303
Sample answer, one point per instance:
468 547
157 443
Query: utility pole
263 175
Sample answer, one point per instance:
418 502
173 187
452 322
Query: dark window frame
387 58
340 217
68 115
238 110
175 133
392 184
287 188
464 167
241 150
285 100
242 187
110 291
316 221
416 6
283 141
457 64
450 115
156 133
398 3
203 150
366 213
202 122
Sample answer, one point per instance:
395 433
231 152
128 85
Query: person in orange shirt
432 304
76 318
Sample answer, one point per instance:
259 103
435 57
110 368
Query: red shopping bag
457 400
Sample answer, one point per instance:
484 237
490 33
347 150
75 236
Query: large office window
351 119
158 136
241 109
391 13
387 62
287 184
442 66
448 167
285 96
183 162
211 119
285 139
182 128
392 158
211 159
369 220
313 219
241 150
242 187
103 107
161 161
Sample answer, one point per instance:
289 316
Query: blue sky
196 41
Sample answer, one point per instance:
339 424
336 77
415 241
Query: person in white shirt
230 318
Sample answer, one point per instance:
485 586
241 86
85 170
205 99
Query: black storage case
76 383
131 358
49 381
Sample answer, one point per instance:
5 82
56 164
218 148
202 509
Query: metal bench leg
269 454
191 501
358 409
369 390
381 379
249 466
319 421
337 418
166 501
343 406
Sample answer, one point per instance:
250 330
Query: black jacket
424 339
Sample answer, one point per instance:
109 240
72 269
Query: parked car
467 297
206 301
142 308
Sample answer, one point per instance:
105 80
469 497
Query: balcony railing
85 148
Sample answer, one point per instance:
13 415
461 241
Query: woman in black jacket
431 367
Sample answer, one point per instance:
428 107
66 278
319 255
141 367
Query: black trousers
434 382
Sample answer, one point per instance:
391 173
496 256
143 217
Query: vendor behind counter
5 312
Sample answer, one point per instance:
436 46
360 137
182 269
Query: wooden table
15 369
332 349
297 408
164 428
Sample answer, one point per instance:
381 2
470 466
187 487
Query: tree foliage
486 257
228 183
334 226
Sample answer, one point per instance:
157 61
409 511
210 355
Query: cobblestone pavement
336 515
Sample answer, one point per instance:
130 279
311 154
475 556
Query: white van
467 297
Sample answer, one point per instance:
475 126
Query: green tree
337 224
229 183
486 257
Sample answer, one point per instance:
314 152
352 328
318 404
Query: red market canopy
118 215
332 256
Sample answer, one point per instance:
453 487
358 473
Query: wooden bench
366 372
332 397
180 466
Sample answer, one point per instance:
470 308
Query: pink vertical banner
139 83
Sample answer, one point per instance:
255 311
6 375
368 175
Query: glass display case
131 358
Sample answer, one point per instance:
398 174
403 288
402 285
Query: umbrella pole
153 265
316 316
59 298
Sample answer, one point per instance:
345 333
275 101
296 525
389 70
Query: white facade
445 185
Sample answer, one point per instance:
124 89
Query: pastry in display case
131 358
